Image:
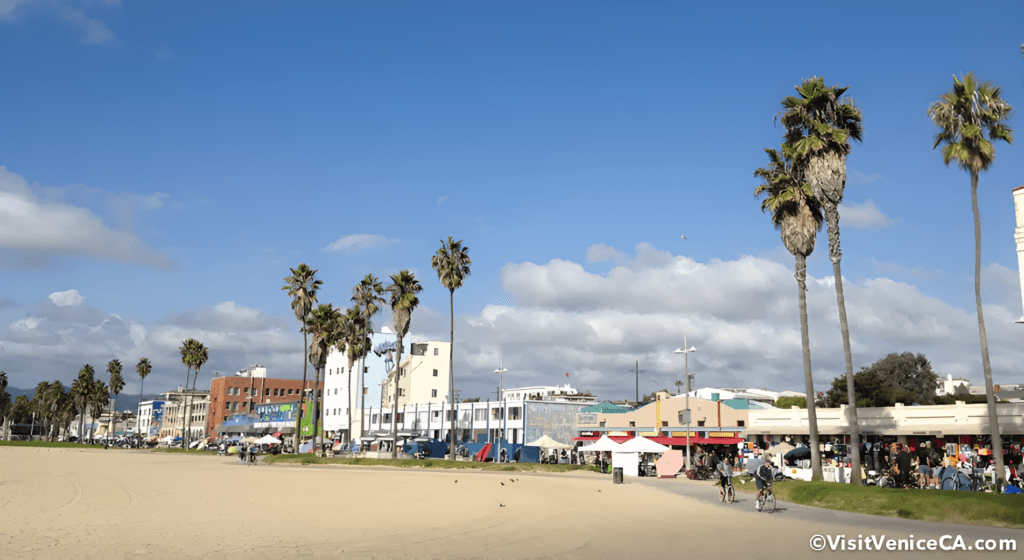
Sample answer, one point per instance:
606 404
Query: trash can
617 475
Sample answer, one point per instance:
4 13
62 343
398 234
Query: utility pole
637 371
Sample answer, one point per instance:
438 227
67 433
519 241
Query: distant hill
124 401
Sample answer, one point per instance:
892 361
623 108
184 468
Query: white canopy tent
546 442
627 456
267 440
605 443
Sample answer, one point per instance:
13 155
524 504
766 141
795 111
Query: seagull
683 236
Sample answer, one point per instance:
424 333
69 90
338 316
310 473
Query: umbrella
248 440
548 443
268 440
798 453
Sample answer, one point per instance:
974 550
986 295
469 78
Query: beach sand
117 503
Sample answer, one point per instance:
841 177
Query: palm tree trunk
138 408
990 394
184 401
316 409
836 254
394 407
362 393
812 416
451 369
302 393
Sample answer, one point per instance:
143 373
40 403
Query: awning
694 440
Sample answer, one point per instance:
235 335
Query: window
700 422
632 424
513 413
437 414
435 352
741 423
480 414
435 373
289 391
246 390
266 392
664 423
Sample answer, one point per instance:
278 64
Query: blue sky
164 164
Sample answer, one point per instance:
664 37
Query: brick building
240 393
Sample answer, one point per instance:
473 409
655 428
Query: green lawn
48 444
965 508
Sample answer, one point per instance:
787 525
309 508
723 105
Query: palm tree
819 126
99 397
302 286
797 215
367 297
200 355
40 402
80 389
187 351
143 368
323 325
452 265
403 300
116 386
51 404
964 114
353 341
5 400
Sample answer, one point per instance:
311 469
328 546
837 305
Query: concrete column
1018 206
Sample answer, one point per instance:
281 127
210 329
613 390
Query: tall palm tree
99 397
452 264
40 402
5 400
965 114
302 286
80 389
403 300
200 355
323 325
116 386
52 401
353 341
820 123
367 296
797 215
143 368
186 350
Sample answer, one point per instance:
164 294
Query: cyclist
763 478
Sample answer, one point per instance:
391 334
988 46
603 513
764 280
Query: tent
546 442
605 443
777 452
267 440
627 456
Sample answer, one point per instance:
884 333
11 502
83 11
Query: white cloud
95 31
441 199
601 253
26 324
860 178
35 229
358 242
865 216
69 298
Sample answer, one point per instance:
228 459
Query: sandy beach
117 503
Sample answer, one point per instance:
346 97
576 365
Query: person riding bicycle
763 478
724 468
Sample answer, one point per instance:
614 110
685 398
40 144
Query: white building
760 395
151 414
424 380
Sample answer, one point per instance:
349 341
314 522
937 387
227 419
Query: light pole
686 354
501 402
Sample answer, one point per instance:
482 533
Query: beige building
713 422
1018 206
176 416
423 379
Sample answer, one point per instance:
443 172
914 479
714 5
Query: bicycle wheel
769 503
730 493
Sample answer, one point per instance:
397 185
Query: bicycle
727 493
767 500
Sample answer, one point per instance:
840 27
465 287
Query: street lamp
686 354
501 402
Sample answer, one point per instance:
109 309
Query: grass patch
947 506
179 450
62 444
310 459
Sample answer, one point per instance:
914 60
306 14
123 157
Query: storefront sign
683 434
589 433
618 433
721 434
583 418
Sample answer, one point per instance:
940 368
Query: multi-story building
185 408
151 415
240 393
423 378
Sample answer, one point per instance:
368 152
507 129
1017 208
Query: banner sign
583 418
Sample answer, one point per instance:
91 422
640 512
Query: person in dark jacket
903 460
